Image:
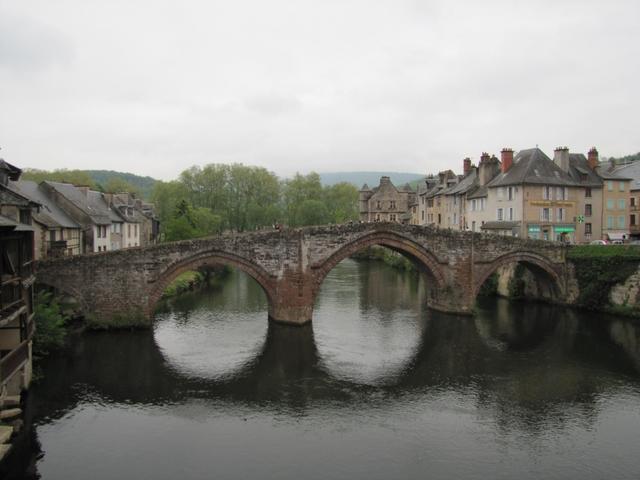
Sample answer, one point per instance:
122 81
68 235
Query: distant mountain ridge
144 184
372 179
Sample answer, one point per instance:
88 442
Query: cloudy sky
152 87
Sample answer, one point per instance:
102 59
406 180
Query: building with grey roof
55 232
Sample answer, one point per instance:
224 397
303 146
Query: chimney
108 197
466 166
83 189
385 181
593 159
506 156
487 169
561 158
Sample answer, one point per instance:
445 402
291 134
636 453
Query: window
25 217
621 203
422 214
510 194
379 205
632 201
587 210
632 220
135 230
392 205
499 215
587 228
621 221
455 218
610 204
621 186
500 193
562 214
587 192
545 214
610 185
561 193
546 192
392 217
610 221
510 213
129 230
473 226
473 205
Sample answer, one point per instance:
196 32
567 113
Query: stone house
16 285
55 233
86 207
632 170
534 196
477 212
436 208
616 196
386 203
589 198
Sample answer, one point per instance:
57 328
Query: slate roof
614 175
532 166
579 168
631 170
464 185
92 204
12 171
479 192
50 214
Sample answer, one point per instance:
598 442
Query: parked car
598 242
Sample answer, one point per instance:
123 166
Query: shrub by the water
51 324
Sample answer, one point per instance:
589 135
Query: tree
76 177
342 202
118 185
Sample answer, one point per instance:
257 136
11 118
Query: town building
55 233
16 285
616 197
632 171
86 207
386 203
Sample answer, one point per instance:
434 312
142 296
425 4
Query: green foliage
490 286
51 323
630 252
134 320
517 284
597 274
77 177
382 254
184 282
341 202
119 185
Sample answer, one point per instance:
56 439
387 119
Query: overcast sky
152 87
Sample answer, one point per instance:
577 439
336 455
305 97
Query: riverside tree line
218 197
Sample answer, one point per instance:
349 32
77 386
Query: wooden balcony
13 361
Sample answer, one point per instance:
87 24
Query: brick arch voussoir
385 239
164 278
525 257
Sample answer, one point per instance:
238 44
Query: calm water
378 388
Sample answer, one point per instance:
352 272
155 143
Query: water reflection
369 391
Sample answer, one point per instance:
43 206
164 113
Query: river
379 387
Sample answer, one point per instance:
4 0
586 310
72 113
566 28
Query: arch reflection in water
214 331
368 321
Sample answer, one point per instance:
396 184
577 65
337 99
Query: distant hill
370 178
144 184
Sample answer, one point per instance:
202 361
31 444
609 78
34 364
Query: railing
12 362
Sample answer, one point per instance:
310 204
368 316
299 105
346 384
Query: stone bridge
291 264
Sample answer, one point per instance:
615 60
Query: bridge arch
423 257
542 269
211 258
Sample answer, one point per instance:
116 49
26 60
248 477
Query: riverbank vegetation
382 254
598 269
214 198
51 324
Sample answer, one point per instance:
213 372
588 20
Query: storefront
564 233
